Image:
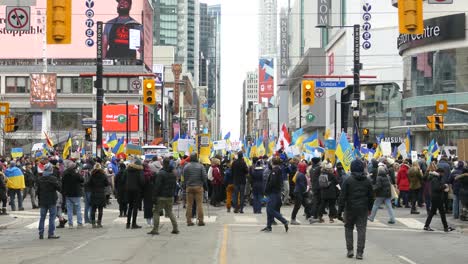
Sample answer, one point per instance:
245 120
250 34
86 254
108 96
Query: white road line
35 225
25 216
411 223
162 219
407 260
83 245
245 219
376 223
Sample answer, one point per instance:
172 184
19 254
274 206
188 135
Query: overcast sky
239 54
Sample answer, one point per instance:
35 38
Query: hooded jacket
402 178
415 178
275 181
71 183
164 184
437 187
382 185
135 178
47 190
356 195
97 184
239 171
257 178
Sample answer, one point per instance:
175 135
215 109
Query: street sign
190 113
310 117
441 107
88 122
330 84
136 84
4 108
319 92
440 1
17 18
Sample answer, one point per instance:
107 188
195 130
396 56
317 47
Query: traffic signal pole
99 90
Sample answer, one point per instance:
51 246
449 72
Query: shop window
17 85
68 119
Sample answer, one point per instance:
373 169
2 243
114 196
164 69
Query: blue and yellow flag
15 178
227 136
312 141
345 152
16 152
296 135
112 141
119 147
67 147
408 141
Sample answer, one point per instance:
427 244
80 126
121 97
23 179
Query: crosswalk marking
245 219
123 220
35 225
411 223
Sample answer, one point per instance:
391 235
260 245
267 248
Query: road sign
88 121
440 1
330 84
4 108
310 117
136 84
18 18
319 92
441 107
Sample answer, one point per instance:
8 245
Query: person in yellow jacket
15 185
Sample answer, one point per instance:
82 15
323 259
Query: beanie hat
357 166
460 165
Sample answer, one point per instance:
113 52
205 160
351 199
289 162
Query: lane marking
83 244
245 219
339 227
411 223
407 260
35 225
223 251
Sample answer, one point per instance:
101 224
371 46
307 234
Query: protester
415 181
71 183
229 183
121 190
403 184
195 181
463 193
456 188
239 173
30 182
15 185
383 194
97 185
148 194
257 187
3 192
438 188
300 190
134 186
356 202
328 192
163 190
47 191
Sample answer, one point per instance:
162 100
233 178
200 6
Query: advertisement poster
114 118
119 17
158 70
43 90
265 80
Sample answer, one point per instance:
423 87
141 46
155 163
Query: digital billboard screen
43 90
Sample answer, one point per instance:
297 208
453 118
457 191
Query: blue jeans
87 207
71 203
257 201
52 209
12 193
239 191
456 206
273 207
388 203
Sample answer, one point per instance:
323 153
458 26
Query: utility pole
356 76
99 90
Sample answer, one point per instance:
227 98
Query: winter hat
390 161
460 165
315 160
12 163
357 166
302 167
137 162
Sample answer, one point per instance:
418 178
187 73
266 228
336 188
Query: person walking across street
300 190
456 188
239 174
415 181
97 186
163 192
15 185
30 182
356 201
438 188
229 182
71 184
273 190
195 181
134 186
257 187
383 194
48 187
403 184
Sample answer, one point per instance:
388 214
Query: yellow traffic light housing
410 16
149 92
59 15
308 90
88 133
365 132
435 122
10 124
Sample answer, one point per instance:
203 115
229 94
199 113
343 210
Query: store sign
323 11
393 139
436 30
366 25
284 46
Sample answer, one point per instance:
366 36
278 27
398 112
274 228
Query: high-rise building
249 97
267 42
165 22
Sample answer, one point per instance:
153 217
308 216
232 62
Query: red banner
114 118
265 80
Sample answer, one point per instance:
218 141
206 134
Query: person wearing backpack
383 195
327 183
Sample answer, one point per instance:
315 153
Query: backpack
323 181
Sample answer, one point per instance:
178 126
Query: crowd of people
154 186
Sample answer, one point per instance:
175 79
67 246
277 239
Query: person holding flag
15 185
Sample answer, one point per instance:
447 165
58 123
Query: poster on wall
43 90
119 17
265 79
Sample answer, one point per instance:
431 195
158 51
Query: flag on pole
408 141
112 141
67 147
49 141
227 136
344 152
284 138
312 141
296 134
327 134
119 147
356 140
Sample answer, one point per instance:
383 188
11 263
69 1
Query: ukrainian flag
312 141
67 147
112 141
119 147
16 153
15 178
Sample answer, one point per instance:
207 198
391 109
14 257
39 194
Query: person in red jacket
403 184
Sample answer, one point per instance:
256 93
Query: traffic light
308 87
410 16
365 132
435 122
10 124
88 134
149 92
59 21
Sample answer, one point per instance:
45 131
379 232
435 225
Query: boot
62 223
99 225
93 223
4 212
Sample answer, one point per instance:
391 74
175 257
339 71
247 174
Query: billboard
114 118
265 80
158 70
122 16
43 90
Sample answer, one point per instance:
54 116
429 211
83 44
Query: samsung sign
323 11
436 30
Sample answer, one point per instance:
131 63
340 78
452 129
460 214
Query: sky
239 54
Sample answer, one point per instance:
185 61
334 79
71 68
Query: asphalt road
229 238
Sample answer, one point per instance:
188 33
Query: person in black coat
120 183
47 191
239 174
438 190
97 184
356 200
3 192
257 187
134 185
72 190
462 179
328 194
148 194
383 194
